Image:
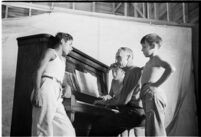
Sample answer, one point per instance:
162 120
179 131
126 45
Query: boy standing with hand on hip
155 73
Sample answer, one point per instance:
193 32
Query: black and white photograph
100 68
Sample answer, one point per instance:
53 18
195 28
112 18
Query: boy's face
147 49
67 46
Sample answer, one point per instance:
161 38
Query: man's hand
114 65
101 103
36 98
106 97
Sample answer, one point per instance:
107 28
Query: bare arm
168 70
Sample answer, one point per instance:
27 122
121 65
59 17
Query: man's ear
128 57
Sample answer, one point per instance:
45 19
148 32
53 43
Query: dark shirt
130 93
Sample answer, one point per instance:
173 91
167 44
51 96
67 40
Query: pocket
160 104
163 104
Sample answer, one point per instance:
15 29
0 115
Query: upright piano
87 77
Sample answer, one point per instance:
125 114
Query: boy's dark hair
55 41
151 38
65 36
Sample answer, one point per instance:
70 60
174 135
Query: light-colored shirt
56 68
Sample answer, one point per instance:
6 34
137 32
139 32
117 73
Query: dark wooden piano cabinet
79 107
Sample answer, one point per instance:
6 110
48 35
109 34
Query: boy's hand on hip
148 88
37 100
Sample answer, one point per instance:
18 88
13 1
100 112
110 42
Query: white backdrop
100 38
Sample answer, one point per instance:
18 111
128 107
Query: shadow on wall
7 103
9 61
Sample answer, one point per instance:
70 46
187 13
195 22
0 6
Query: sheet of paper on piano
88 83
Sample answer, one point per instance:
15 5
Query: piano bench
134 132
138 131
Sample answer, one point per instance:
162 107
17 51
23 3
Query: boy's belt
53 78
